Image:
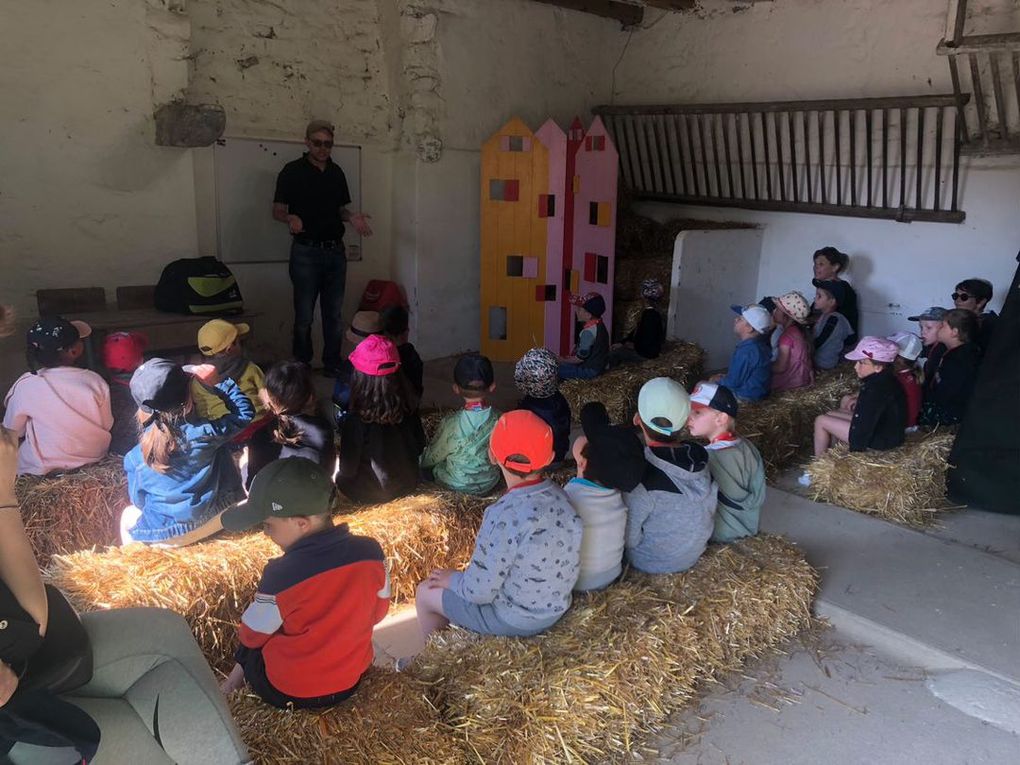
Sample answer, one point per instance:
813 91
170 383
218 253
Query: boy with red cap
592 353
528 550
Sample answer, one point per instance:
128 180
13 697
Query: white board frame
245 171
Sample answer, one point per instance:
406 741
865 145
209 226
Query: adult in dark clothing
311 198
829 263
947 391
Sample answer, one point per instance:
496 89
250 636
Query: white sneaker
805 480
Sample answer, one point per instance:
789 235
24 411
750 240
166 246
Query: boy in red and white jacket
306 639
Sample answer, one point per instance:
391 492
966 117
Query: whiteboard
245 173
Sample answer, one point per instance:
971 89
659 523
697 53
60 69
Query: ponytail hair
161 437
382 399
289 389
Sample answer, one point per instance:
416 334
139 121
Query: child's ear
456 389
637 420
491 388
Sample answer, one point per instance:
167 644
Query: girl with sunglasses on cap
381 437
180 475
60 411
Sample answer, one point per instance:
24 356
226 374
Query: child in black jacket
948 389
645 341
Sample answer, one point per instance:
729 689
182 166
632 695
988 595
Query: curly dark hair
382 399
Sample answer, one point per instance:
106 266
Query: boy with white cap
749 376
670 512
734 462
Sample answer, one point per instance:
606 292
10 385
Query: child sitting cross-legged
949 388
750 372
458 455
537 377
877 418
306 638
645 341
527 553
592 352
61 412
610 460
734 462
381 438
670 512
180 477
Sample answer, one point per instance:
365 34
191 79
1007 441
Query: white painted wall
800 49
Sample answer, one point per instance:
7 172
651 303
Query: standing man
312 198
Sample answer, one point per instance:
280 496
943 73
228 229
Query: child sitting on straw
458 455
877 418
750 372
669 513
537 377
220 344
645 342
592 352
610 460
832 329
929 322
61 413
791 367
293 431
180 477
363 324
122 355
949 388
527 553
306 638
910 348
382 437
396 326
734 462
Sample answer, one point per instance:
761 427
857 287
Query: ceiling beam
672 5
625 13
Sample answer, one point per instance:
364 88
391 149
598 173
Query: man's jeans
318 273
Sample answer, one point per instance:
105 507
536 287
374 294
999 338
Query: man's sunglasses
320 144
962 297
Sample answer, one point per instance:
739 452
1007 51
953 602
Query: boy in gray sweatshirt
528 550
670 513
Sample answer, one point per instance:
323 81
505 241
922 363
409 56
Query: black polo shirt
315 196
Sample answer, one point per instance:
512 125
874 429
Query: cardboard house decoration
548 229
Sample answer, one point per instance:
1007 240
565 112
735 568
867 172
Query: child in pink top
61 412
793 366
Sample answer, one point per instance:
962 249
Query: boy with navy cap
306 638
458 455
592 353
734 462
670 511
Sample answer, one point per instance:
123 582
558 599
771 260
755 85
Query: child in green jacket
458 455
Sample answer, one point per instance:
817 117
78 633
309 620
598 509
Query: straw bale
74 511
627 284
620 661
782 425
618 388
211 583
906 485
387 721
431 418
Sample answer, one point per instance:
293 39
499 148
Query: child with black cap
592 352
833 331
537 377
734 462
458 455
610 460
306 638
61 413
396 326
179 476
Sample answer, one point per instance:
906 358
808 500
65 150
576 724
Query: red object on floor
380 294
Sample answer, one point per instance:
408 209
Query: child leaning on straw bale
670 512
610 460
537 377
180 476
734 462
528 550
458 455
592 352
750 372
306 638
61 412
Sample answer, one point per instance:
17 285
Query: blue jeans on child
576 372
318 273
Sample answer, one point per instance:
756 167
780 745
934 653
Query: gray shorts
481 618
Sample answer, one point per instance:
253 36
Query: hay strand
905 485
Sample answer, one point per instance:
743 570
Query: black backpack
198 286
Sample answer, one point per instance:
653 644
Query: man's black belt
325 244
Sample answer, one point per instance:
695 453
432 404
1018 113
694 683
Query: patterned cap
537 373
796 306
652 289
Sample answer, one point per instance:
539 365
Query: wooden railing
892 158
